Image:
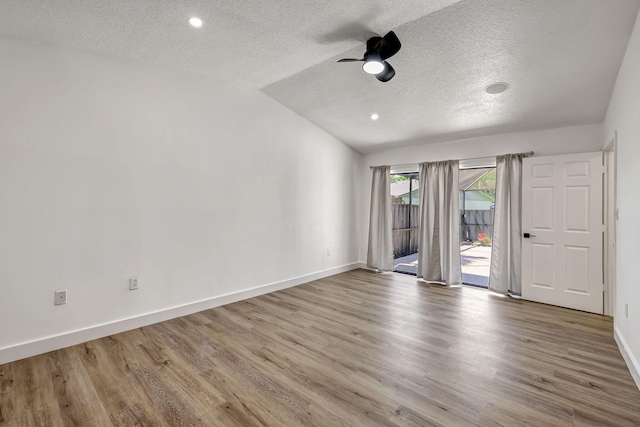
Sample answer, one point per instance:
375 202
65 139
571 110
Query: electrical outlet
60 298
134 283
328 251
626 310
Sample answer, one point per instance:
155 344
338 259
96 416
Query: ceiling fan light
373 67
372 63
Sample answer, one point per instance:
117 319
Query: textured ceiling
559 57
250 42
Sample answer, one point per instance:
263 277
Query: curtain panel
506 257
380 247
439 238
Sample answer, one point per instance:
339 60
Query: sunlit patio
475 259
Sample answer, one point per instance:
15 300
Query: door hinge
604 228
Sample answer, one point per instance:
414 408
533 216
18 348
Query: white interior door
562 213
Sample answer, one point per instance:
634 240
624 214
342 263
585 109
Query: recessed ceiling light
497 88
195 22
374 116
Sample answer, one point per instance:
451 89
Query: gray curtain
439 242
506 256
380 250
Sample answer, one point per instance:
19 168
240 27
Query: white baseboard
632 363
56 342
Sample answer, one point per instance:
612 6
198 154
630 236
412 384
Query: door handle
527 235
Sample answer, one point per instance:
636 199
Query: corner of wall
631 361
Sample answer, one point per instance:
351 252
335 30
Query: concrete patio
475 260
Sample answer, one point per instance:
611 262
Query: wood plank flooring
355 349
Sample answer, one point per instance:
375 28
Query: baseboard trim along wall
632 363
56 342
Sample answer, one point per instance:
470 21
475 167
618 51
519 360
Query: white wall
110 170
574 139
623 116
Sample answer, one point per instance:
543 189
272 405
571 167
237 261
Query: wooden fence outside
406 220
474 223
405 229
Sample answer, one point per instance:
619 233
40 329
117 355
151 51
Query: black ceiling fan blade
389 45
350 60
373 43
386 74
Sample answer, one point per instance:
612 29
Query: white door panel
562 212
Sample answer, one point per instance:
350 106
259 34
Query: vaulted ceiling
560 58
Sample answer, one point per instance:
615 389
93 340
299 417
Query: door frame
610 217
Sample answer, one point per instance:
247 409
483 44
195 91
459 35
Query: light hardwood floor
355 349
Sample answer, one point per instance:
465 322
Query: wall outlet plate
60 298
134 283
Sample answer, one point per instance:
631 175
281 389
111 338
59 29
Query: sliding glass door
405 215
477 203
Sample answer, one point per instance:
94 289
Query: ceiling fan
379 49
